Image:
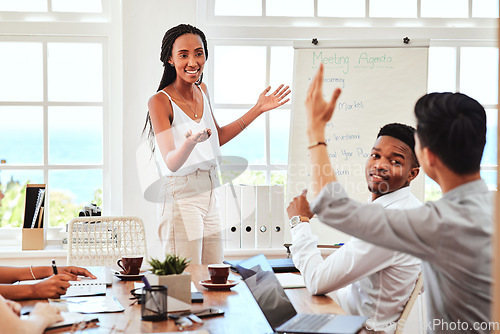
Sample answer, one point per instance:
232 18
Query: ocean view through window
54 106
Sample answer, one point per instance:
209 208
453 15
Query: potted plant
170 272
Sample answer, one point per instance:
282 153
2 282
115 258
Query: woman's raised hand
199 136
274 100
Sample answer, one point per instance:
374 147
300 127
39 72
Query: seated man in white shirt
369 280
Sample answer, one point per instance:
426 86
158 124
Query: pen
54 268
146 282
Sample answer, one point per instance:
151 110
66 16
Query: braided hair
169 73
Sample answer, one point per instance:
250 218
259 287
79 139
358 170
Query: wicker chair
101 241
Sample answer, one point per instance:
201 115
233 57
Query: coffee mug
218 273
131 264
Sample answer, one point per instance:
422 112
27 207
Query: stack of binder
253 216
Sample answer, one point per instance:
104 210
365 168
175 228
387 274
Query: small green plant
173 264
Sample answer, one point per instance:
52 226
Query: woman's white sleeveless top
205 155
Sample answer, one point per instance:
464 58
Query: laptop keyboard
312 322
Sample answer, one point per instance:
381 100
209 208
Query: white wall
144 24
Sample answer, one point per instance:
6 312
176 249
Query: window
265 150
54 105
54 6
456 69
258 43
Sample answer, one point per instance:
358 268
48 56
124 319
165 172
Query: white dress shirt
370 280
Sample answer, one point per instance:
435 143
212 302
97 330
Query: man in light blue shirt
453 235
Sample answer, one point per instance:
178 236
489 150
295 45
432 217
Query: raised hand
199 136
319 111
274 100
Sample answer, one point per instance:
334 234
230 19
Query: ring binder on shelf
248 217
277 200
233 216
262 221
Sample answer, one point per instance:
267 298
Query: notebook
89 286
279 311
85 287
103 274
291 281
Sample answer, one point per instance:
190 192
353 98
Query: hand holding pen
52 287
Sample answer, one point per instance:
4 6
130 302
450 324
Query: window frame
268 167
47 27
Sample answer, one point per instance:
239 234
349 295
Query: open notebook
85 287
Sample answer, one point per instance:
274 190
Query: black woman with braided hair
186 140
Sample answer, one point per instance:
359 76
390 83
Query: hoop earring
171 64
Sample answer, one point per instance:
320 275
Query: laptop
279 311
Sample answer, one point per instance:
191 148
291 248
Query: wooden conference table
242 315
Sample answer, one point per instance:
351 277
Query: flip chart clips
314 41
406 40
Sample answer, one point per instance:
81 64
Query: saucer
209 285
124 277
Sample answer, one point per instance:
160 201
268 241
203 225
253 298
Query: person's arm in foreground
52 287
14 274
42 315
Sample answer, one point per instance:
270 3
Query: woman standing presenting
186 142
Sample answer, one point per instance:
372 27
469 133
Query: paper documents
95 304
290 281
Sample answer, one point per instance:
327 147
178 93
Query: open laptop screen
267 290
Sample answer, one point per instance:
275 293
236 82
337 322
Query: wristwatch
296 220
